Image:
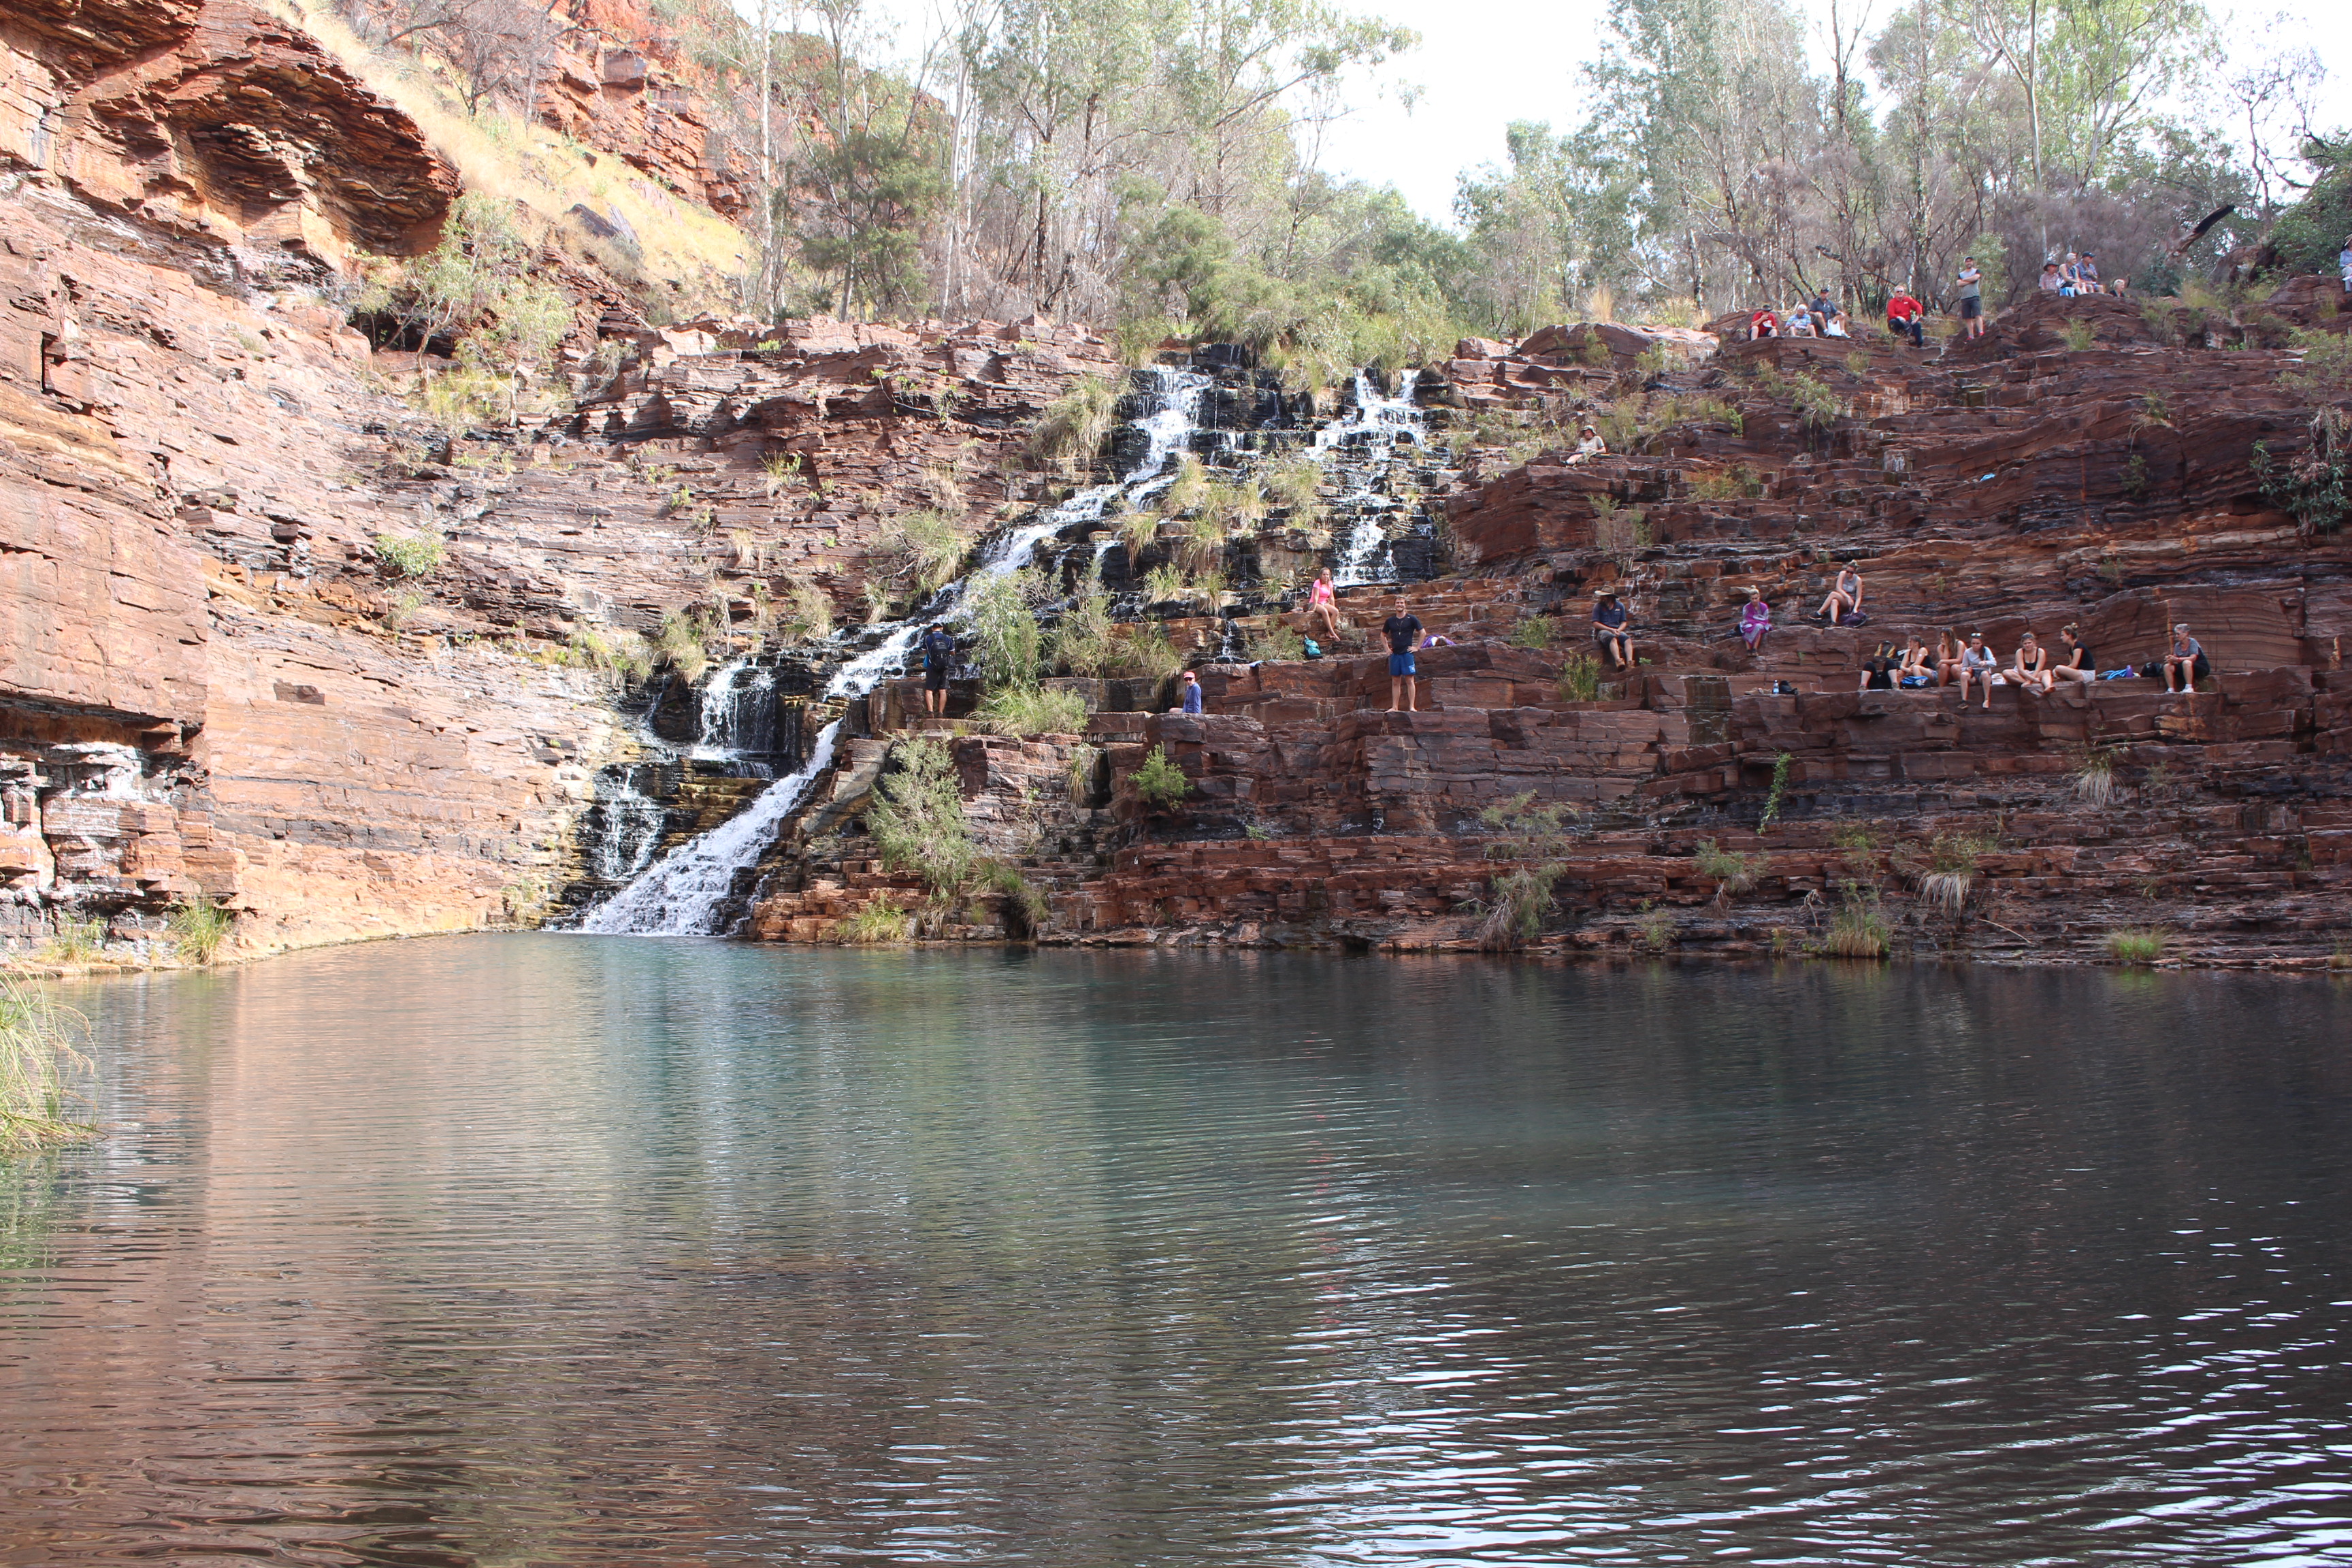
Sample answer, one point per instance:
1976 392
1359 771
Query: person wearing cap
2086 274
2186 658
1977 663
1189 693
1610 628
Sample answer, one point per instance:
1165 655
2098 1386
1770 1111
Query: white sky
1483 64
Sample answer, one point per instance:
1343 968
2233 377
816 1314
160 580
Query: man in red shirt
1906 319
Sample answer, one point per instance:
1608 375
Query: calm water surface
535 1249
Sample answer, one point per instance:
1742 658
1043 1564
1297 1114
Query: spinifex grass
39 1067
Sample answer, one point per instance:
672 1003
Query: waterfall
688 891
1365 444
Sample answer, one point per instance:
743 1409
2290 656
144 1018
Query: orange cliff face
173 721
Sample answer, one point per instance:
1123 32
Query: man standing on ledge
1404 634
938 649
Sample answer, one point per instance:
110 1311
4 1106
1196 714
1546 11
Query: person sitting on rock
1765 324
1403 631
2067 284
1189 693
1977 663
2086 274
1323 604
1801 322
1905 318
1878 669
1826 314
1844 597
2080 663
1588 444
1917 660
2031 668
1755 621
1612 627
2050 282
2185 659
1948 656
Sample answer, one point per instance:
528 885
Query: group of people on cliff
1906 317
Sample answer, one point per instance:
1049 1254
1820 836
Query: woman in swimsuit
2031 668
1917 660
1323 605
1948 645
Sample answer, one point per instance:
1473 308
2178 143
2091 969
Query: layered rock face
2018 484
213 681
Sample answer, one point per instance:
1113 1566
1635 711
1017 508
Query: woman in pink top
1755 620
1322 604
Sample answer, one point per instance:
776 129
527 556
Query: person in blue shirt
1190 690
1610 628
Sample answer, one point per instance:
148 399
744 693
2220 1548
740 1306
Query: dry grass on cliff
681 242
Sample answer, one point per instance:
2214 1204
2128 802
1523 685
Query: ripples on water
536 1250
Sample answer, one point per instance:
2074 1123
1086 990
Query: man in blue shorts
1403 628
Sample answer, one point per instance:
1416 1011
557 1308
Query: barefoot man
1403 628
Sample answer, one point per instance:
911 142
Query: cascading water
1358 450
691 890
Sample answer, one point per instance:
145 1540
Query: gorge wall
218 680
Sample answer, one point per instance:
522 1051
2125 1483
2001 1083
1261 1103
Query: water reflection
543 1250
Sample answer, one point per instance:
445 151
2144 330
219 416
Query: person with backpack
937 648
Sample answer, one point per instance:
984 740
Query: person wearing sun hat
1612 627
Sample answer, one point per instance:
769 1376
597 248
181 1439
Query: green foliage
2323 364
1275 642
1147 652
1080 775
1579 679
1951 873
1817 406
1294 486
1082 642
200 929
1779 791
77 940
1159 782
1032 711
1533 837
2310 488
927 551
411 554
39 1067
1004 628
917 817
1538 632
1070 431
1731 872
1026 906
874 925
2136 945
2079 334
2309 232
482 288
681 644
1858 927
